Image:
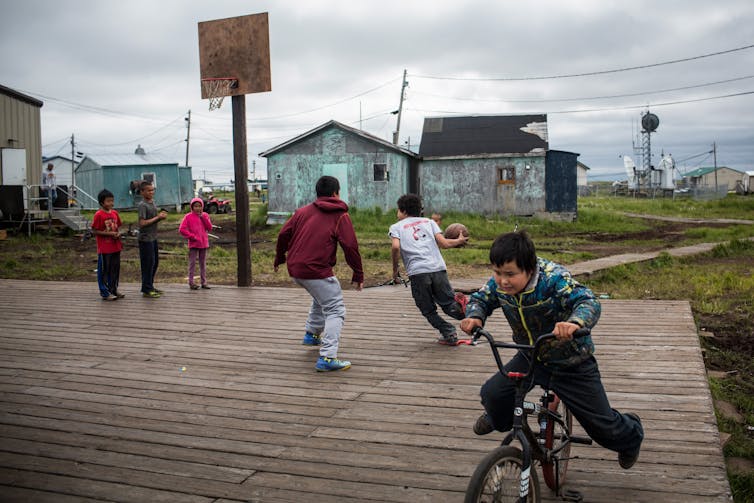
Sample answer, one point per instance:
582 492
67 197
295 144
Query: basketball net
217 89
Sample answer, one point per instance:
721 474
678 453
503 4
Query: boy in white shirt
417 240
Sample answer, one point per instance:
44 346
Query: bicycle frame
521 431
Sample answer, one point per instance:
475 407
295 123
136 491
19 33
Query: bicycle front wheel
497 479
556 437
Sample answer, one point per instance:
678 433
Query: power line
555 100
585 74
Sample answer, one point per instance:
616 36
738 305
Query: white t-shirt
419 249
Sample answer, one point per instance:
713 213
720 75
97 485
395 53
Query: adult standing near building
50 185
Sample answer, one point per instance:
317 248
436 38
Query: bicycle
506 473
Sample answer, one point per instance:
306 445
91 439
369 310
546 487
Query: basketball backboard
237 47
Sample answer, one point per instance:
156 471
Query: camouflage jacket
552 295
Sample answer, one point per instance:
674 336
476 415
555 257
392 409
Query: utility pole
714 157
400 110
188 135
73 169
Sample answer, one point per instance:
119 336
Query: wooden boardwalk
208 396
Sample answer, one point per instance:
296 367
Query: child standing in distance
105 225
308 243
417 240
194 227
149 217
539 297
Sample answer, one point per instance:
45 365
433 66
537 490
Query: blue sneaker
325 364
311 339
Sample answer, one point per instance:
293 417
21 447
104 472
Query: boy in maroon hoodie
309 239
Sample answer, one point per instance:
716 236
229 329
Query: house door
13 164
339 171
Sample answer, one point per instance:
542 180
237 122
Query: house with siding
373 173
705 177
495 165
20 153
121 174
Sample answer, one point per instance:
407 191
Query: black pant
108 272
431 289
580 388
149 259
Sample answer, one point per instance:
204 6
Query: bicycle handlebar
479 332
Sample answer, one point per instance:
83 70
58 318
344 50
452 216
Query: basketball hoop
218 88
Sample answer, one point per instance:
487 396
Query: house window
151 178
506 175
381 173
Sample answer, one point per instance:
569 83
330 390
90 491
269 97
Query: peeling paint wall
473 185
293 172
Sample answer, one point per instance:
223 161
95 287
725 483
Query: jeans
431 289
580 388
108 272
327 313
149 259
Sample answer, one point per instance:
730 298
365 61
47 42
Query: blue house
121 174
372 172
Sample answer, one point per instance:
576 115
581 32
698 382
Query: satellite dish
630 167
649 122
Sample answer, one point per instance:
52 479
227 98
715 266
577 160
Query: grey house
372 172
495 165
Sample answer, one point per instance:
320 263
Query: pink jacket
195 227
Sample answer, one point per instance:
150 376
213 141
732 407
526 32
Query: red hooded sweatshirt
310 239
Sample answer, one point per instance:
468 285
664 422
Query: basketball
454 230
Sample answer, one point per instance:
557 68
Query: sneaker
205 287
311 339
483 426
154 294
463 300
110 297
325 364
627 459
120 295
158 291
449 340
194 287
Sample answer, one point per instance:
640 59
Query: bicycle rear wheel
498 477
555 437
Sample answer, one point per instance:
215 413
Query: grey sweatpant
327 313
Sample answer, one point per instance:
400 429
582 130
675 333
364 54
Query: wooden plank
164 406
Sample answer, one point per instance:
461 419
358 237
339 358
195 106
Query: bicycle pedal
572 495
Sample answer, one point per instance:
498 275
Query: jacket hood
196 200
330 204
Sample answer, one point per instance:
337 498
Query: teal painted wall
92 178
471 185
294 170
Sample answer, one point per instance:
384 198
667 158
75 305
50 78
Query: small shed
120 174
495 165
373 173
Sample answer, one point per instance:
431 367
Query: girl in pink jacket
194 227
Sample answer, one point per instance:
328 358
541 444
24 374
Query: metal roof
706 170
129 159
484 134
20 96
334 123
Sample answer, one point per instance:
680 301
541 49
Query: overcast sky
117 74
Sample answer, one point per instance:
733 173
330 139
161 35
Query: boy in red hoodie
194 227
309 239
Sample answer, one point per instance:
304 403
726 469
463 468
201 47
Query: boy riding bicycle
537 297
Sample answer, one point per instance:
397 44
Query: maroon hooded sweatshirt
310 238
